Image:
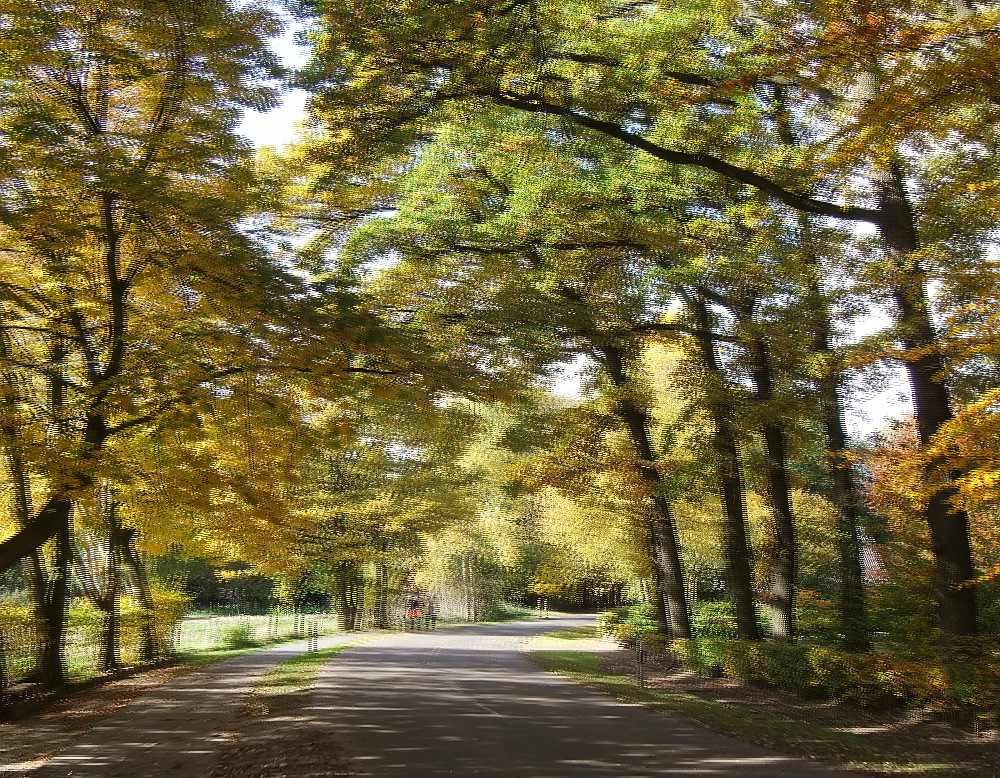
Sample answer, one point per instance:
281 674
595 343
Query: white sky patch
279 126
868 413
568 378
877 396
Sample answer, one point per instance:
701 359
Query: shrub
964 685
238 636
19 640
656 643
787 666
169 607
702 655
713 620
742 659
627 623
866 680
973 685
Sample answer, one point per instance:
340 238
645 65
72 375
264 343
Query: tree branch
691 159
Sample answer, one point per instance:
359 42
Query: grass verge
797 738
285 685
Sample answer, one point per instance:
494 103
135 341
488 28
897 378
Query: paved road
459 702
468 702
177 729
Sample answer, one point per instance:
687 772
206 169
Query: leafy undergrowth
797 738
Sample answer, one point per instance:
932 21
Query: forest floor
920 734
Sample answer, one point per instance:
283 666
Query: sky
872 400
277 127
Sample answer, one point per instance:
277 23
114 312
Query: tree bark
381 596
111 598
949 527
784 560
843 489
733 494
18 477
131 561
664 552
348 594
53 664
657 598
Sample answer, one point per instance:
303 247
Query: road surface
468 702
456 702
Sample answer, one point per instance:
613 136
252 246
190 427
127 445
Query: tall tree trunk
381 596
657 599
734 535
664 552
785 553
18 478
103 590
33 566
149 649
949 527
843 490
53 664
111 599
846 502
348 594
670 576
57 601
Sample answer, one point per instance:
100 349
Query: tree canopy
332 362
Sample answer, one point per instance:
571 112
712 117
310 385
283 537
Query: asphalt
456 702
468 702
178 729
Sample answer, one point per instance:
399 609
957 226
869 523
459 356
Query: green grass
200 631
284 685
798 738
206 656
573 633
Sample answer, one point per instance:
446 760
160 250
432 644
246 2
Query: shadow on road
468 702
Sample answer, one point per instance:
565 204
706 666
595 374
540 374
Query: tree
124 185
518 293
697 99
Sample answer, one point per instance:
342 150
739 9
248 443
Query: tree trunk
53 664
348 594
111 599
103 592
381 596
663 551
657 599
130 559
4 677
17 476
844 492
670 578
784 559
734 536
949 527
